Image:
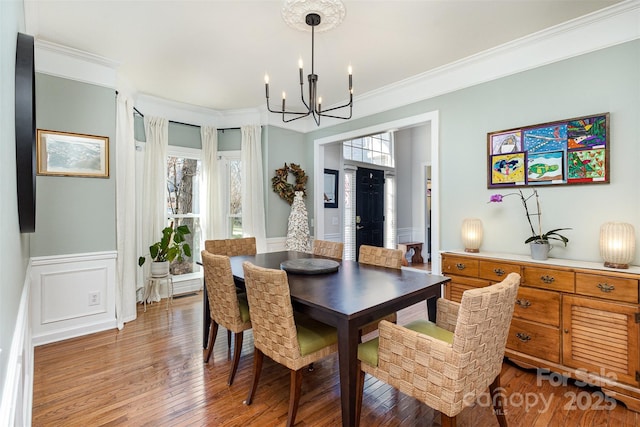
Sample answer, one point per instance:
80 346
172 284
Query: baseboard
17 393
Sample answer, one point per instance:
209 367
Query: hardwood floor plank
152 373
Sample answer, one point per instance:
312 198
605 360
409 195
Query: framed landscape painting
72 154
572 151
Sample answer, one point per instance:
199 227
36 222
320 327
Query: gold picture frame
72 154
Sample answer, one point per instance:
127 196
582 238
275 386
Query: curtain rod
136 111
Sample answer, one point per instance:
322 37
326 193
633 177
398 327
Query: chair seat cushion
368 351
244 307
313 335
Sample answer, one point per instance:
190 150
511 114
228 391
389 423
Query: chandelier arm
302 97
281 111
348 104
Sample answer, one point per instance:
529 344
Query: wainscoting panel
72 295
16 404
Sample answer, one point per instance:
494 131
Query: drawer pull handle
547 279
498 271
523 337
605 287
524 303
460 266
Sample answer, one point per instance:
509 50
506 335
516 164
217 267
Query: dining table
348 298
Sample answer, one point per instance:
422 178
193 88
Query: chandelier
313 103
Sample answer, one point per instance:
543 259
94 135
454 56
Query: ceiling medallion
331 12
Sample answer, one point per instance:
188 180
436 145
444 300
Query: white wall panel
63 295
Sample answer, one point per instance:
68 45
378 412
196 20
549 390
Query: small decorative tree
298 236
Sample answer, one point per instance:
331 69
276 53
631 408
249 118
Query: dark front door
369 208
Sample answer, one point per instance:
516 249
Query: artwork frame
72 154
564 152
330 195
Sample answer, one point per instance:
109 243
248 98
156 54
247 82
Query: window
373 149
183 201
349 213
232 168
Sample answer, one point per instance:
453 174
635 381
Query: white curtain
213 213
154 183
253 217
125 213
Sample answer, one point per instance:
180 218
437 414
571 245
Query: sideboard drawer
460 266
535 340
496 270
459 284
607 287
538 305
548 278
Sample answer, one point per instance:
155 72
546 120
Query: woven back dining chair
294 343
228 308
231 247
446 365
381 257
328 249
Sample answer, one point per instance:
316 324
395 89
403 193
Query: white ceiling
214 53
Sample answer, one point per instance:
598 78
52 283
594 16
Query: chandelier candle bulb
350 79
300 67
266 85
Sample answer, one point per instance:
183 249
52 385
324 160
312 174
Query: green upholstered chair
447 364
381 257
231 247
228 308
294 343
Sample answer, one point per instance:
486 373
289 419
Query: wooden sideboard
577 319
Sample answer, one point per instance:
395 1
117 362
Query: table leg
432 308
347 357
206 318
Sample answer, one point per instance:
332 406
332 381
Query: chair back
221 291
328 249
481 332
231 247
383 257
274 328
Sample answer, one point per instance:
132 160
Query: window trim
223 158
191 153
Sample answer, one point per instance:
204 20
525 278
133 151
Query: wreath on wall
281 185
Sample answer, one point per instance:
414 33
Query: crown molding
608 27
62 61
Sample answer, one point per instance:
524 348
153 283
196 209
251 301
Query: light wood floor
151 374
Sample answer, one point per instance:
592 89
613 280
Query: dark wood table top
354 291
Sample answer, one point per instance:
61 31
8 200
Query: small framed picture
72 154
330 188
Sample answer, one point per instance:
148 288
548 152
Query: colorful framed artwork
72 154
573 151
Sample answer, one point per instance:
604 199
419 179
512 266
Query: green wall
602 81
14 247
284 146
75 215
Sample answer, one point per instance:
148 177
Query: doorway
369 208
431 118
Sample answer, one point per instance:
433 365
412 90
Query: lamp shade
471 234
617 244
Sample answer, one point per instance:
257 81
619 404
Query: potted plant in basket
172 246
539 241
